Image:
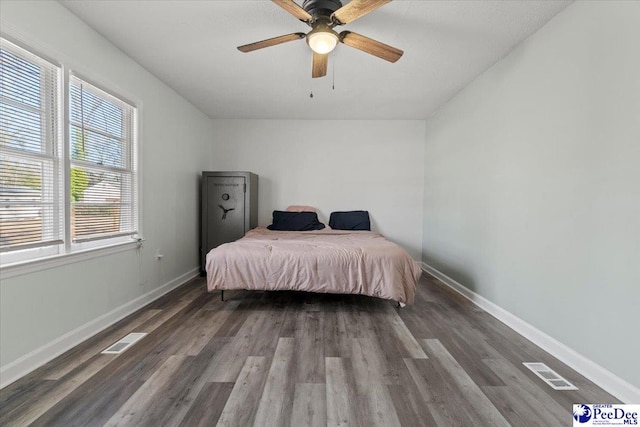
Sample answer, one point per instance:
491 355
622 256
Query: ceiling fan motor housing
321 8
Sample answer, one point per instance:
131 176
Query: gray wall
41 307
374 165
532 183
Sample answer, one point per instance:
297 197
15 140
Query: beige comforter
328 261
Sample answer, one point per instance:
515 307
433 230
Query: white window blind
103 164
31 184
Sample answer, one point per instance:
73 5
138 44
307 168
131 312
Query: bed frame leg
222 296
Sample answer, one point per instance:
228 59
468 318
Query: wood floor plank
411 411
418 321
250 336
18 398
138 410
309 405
73 359
309 355
587 392
426 385
374 406
487 413
165 336
175 396
391 352
359 323
265 344
370 365
188 382
380 406
372 374
289 320
233 323
275 404
62 388
244 398
444 404
341 394
445 415
202 328
466 343
208 405
517 380
392 324
471 360
335 336
515 407
81 409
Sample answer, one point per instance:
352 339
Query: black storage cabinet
229 208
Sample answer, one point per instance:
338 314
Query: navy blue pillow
350 220
295 221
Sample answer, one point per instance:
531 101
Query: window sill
31 266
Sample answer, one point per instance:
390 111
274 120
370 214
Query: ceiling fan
323 16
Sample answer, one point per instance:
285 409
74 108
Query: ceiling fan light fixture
322 41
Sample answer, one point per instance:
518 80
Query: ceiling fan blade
294 9
319 68
355 9
271 42
371 46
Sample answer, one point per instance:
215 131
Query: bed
324 261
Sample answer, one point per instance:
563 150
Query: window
102 172
31 213
62 194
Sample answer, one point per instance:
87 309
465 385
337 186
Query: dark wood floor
286 358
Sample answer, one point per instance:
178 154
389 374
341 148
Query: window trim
68 252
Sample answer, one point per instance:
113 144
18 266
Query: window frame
131 166
22 261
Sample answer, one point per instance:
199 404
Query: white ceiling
191 46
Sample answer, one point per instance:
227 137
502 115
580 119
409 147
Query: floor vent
123 344
549 376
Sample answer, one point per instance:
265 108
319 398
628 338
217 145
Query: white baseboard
611 383
33 360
